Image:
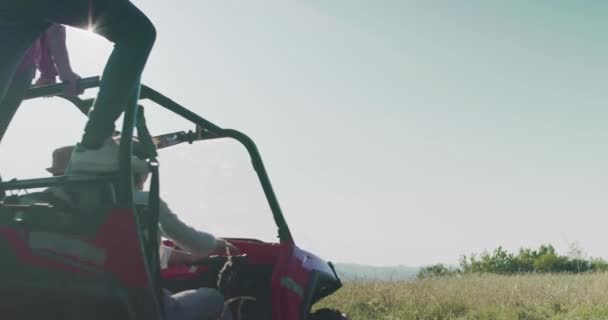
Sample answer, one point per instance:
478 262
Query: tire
327 314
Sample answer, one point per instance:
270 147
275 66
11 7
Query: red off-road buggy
97 257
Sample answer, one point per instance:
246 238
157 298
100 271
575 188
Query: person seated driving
203 303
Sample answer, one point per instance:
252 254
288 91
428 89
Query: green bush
436 270
543 260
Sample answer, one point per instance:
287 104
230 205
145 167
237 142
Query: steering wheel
227 280
228 267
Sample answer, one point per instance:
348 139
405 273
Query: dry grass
480 297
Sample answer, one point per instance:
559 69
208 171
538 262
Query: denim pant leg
203 303
133 35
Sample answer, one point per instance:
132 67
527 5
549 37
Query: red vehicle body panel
291 278
115 238
289 282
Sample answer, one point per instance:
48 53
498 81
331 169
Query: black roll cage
124 177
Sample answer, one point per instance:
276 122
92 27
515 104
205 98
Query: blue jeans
200 304
133 35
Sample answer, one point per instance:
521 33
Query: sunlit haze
394 132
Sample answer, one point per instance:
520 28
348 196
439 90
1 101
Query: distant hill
351 271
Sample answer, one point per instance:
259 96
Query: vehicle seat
75 259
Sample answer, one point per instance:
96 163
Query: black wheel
327 314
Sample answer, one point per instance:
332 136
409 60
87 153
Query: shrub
436 270
543 260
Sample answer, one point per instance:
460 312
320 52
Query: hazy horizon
395 132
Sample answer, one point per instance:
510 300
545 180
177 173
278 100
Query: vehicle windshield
212 186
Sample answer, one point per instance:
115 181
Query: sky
394 132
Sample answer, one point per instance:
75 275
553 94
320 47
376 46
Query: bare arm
56 36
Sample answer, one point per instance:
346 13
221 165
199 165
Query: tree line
543 260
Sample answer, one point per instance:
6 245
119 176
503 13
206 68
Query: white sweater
189 239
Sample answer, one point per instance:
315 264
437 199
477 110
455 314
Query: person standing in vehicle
119 21
48 55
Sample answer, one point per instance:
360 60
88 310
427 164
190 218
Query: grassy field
481 297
